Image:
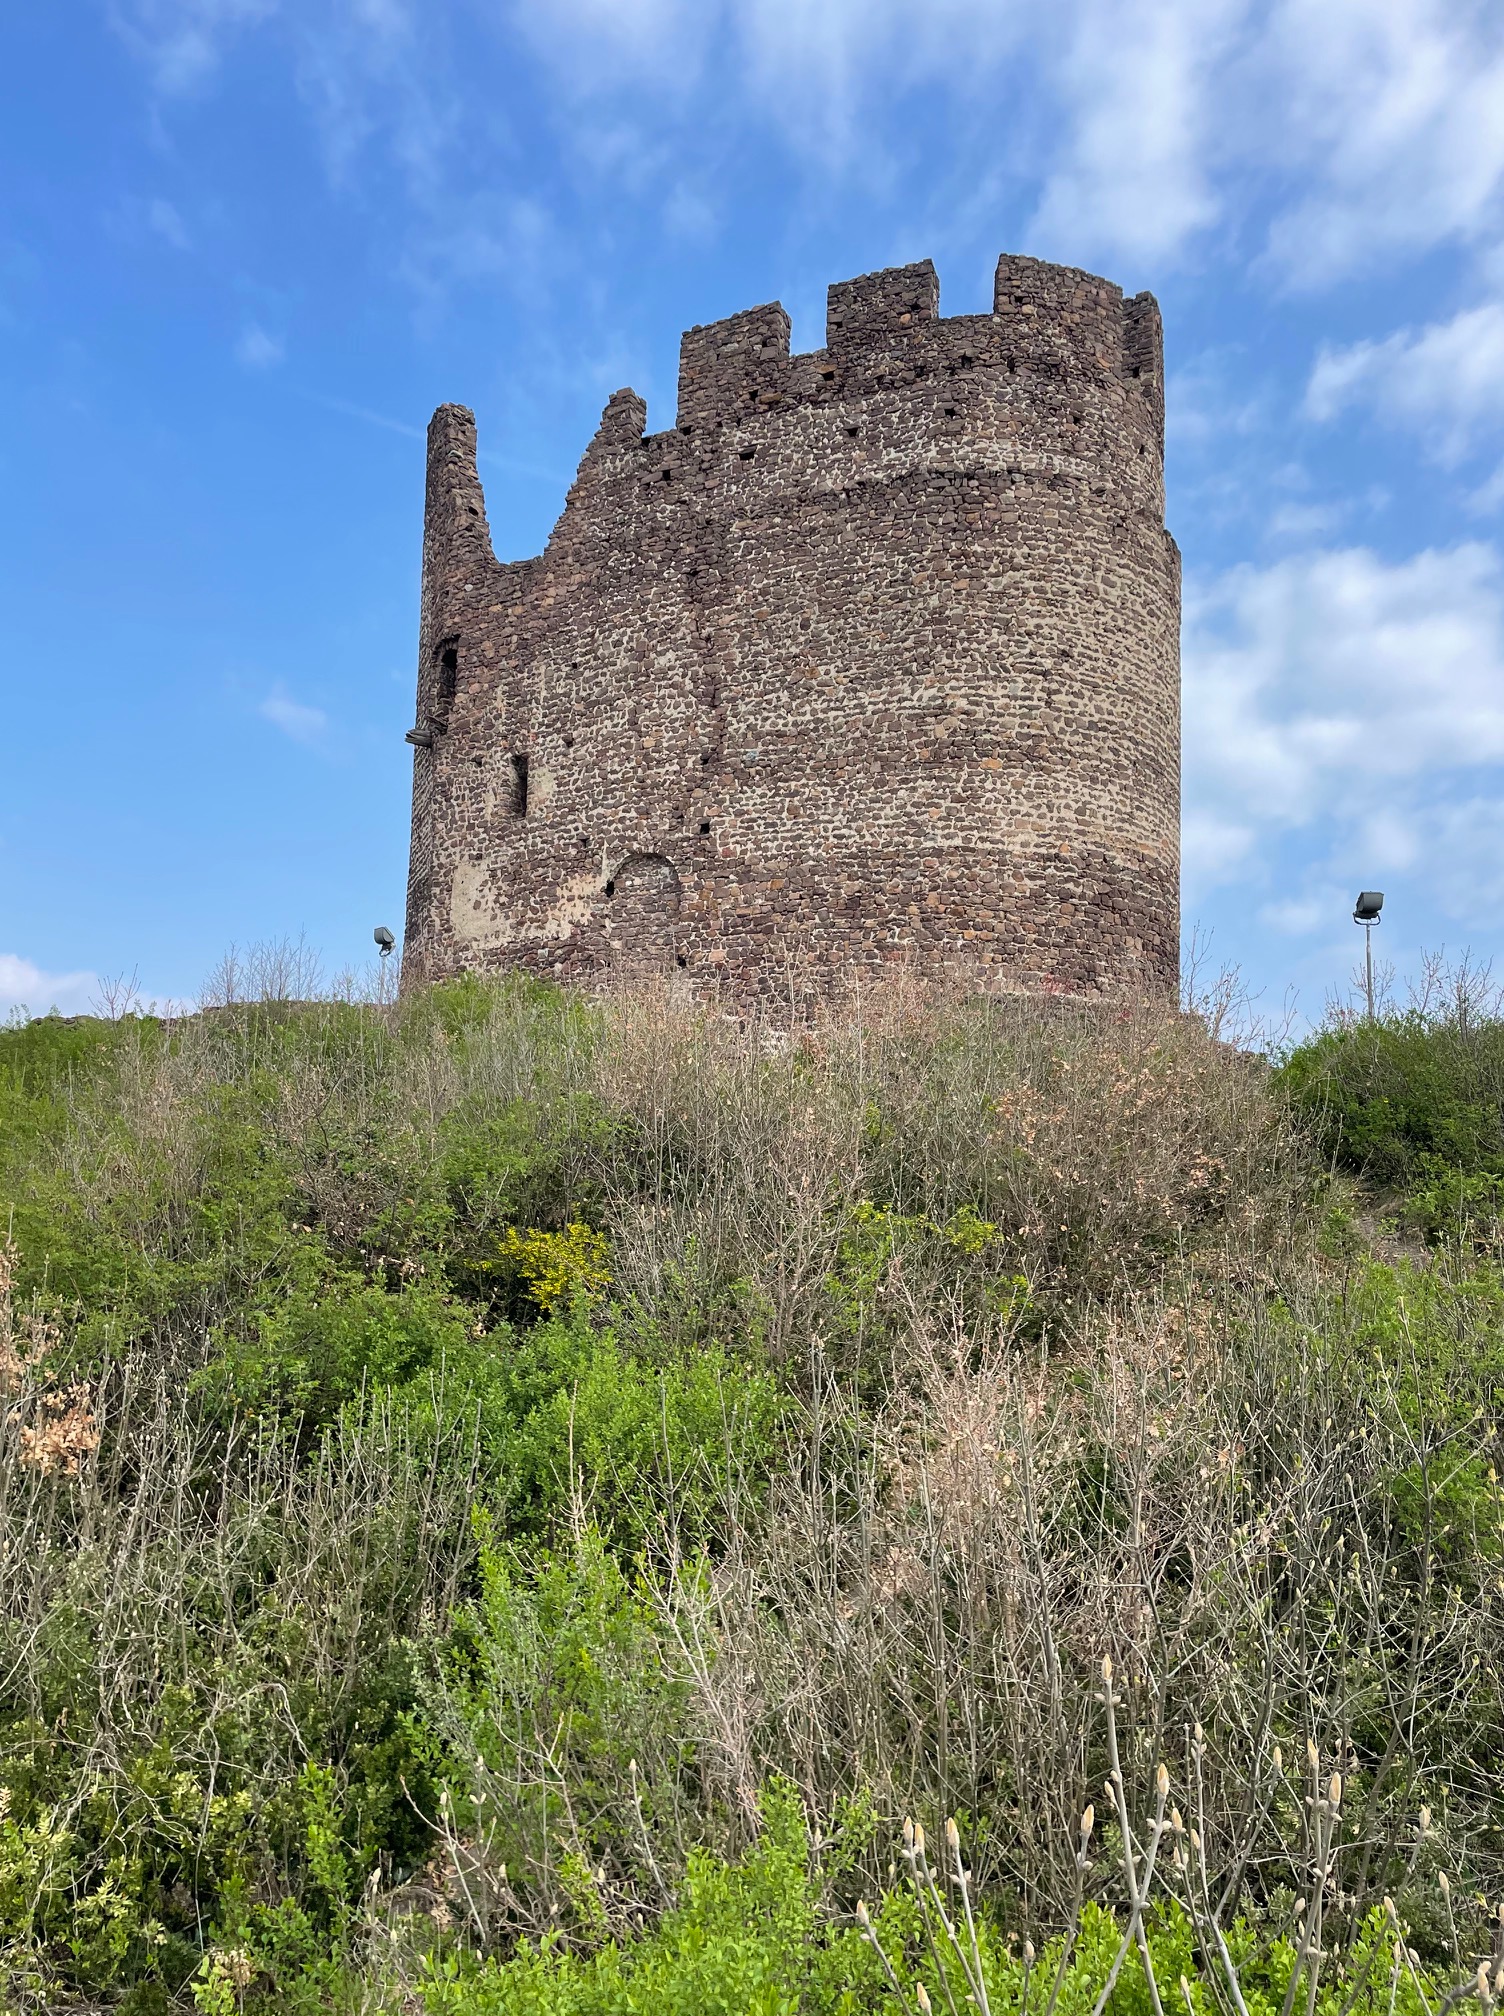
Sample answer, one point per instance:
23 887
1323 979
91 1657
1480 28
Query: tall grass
461 1458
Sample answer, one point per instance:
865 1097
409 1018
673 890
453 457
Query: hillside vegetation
517 1505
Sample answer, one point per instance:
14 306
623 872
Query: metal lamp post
1366 912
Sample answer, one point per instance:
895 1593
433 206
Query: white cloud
182 41
1306 521
1135 174
1366 127
1371 125
298 722
1391 115
1341 690
25 986
407 428
1464 839
1489 495
163 218
688 215
256 350
1442 382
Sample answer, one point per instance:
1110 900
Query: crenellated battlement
879 309
725 368
1061 325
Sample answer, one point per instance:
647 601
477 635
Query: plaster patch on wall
473 917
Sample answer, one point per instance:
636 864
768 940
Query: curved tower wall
873 657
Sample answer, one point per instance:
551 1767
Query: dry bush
48 1426
1078 1151
918 1616
183 1611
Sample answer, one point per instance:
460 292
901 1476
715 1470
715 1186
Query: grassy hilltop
515 1505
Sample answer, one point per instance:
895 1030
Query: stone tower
872 657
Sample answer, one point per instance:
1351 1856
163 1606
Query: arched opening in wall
642 914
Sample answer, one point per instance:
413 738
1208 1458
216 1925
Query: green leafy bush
1406 1098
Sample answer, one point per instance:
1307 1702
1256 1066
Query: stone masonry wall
874 657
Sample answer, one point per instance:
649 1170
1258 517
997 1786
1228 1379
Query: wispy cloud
257 350
363 413
1489 495
300 723
1136 169
162 217
1342 692
1388 117
183 41
1373 125
1369 126
26 987
1443 382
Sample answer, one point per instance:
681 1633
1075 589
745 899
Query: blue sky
246 246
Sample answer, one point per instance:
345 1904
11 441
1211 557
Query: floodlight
1370 902
384 939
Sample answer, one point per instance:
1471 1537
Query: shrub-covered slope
512 1504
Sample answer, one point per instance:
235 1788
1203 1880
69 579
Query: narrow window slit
449 670
519 784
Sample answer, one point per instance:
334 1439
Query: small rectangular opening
519 784
449 670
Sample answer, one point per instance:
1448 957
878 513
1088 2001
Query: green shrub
570 1418
563 1707
747 1938
1402 1099
753 1937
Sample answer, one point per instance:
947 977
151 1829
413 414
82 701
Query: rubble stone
873 657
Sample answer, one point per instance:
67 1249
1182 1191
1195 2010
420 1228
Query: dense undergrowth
511 1504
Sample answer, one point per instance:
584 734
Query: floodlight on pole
384 941
1366 912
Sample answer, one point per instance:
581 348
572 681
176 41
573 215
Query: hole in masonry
449 669
680 960
746 453
519 784
704 825
610 888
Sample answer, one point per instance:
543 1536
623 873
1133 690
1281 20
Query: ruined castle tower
872 657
